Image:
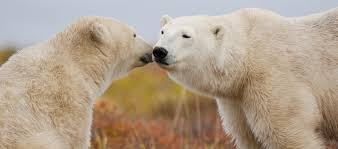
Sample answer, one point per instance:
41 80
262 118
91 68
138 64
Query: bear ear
165 20
98 32
218 31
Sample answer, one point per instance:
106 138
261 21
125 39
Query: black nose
160 52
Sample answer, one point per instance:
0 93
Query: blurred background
146 109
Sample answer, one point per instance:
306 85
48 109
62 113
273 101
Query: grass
148 110
184 130
5 53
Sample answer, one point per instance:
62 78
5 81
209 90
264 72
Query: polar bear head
104 47
203 53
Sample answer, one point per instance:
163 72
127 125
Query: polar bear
48 90
275 78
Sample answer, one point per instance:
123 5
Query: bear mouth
146 58
161 62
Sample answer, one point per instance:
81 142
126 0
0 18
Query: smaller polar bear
48 90
275 78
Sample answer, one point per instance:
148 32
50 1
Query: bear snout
146 58
160 53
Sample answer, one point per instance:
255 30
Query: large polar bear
48 90
275 78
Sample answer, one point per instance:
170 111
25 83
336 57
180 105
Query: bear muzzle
160 52
160 55
146 58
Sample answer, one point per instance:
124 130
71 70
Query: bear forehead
182 27
106 21
190 22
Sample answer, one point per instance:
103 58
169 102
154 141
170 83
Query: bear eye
185 36
162 32
134 35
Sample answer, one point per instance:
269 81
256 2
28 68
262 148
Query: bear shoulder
322 21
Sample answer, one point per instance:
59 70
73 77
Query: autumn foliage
146 110
112 130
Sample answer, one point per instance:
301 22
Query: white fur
275 78
48 90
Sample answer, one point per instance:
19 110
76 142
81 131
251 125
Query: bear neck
95 67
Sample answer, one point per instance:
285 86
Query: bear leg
234 123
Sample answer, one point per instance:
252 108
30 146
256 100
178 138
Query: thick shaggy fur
275 78
47 90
